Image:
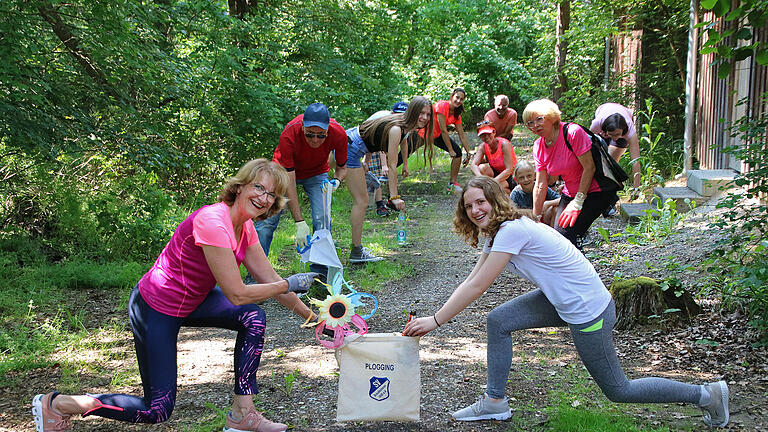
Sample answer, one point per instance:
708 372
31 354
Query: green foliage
42 308
659 158
657 224
290 380
740 261
743 18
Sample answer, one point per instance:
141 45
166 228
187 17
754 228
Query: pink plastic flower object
340 332
337 312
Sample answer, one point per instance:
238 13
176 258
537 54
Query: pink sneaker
47 420
254 421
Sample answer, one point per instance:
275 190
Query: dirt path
452 358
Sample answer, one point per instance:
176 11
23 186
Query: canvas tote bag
379 378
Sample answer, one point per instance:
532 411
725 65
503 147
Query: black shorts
440 144
510 181
621 143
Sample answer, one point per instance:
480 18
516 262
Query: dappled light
124 126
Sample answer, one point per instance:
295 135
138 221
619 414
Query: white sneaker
716 411
484 409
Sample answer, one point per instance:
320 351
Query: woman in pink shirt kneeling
582 200
196 282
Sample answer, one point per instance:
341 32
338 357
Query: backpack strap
565 137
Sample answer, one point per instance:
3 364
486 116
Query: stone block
632 212
710 182
679 194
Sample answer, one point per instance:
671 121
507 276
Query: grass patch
211 419
575 403
42 309
567 418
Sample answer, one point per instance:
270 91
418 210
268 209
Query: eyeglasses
311 135
260 191
537 121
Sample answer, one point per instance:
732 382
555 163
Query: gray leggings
593 342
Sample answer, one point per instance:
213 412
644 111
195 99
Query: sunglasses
537 121
311 135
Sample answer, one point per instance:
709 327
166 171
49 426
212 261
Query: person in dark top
522 194
385 134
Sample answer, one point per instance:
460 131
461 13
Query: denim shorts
356 148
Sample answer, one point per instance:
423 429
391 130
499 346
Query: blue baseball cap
317 115
399 107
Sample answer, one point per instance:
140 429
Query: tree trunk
72 43
240 8
561 47
639 298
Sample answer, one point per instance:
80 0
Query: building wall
718 101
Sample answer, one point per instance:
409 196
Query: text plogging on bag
379 366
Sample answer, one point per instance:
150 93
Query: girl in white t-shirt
570 293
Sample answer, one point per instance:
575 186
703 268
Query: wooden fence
721 101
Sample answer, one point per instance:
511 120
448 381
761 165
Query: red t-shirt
441 107
559 160
501 124
294 154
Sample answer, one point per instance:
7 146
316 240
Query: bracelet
434 317
297 221
394 197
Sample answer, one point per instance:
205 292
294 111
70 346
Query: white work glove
331 184
302 233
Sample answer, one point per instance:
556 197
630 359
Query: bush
740 261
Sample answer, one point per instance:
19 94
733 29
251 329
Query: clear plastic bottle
401 233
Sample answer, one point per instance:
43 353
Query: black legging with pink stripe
155 335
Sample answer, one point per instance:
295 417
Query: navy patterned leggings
155 335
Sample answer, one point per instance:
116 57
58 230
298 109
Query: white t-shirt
544 257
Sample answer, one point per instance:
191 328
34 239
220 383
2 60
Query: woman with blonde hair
385 134
582 200
196 282
570 293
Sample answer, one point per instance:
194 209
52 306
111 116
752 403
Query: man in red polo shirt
502 117
303 151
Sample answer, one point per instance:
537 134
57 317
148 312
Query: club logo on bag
379 388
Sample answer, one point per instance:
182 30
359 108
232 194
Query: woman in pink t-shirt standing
196 282
582 200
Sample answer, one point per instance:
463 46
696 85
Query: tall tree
563 24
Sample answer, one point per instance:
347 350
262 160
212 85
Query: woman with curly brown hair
570 293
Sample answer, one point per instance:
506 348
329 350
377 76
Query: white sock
705 398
